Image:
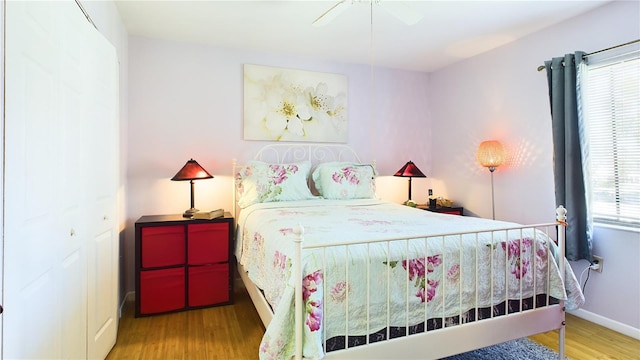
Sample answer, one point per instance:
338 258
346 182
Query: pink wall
185 101
500 95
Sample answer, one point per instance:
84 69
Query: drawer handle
105 218
72 232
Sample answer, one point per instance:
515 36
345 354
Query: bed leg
561 355
561 334
561 218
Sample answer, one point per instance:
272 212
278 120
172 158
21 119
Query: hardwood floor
585 340
234 332
216 333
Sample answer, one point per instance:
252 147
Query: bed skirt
338 342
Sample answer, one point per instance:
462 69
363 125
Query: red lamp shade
409 170
490 154
191 171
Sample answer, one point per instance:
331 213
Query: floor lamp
491 155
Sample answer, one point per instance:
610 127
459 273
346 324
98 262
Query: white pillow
259 182
345 180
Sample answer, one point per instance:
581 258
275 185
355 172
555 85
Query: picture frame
294 105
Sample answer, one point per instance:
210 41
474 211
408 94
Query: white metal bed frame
432 344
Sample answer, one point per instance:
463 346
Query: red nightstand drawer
161 290
162 246
208 285
208 243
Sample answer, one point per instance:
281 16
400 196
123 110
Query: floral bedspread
426 275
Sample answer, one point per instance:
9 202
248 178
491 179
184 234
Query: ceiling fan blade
331 14
402 11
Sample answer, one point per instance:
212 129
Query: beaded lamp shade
490 154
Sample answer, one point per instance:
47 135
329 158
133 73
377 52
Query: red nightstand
182 264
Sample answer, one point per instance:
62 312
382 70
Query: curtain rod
542 67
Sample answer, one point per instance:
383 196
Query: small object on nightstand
208 215
444 202
432 199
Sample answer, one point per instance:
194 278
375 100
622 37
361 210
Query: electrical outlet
597 260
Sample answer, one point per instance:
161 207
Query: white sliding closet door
61 151
1 157
102 176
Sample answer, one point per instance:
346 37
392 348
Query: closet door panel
74 318
72 188
40 322
102 304
32 234
103 170
2 117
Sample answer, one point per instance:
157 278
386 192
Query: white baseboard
130 296
608 323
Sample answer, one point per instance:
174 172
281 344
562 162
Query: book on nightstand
208 215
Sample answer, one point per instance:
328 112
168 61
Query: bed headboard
315 153
282 153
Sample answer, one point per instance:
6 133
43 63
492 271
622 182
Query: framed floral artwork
294 105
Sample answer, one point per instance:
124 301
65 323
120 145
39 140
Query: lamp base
189 213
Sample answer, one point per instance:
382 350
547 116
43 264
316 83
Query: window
611 91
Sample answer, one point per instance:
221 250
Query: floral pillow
259 182
341 180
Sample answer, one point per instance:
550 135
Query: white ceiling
448 32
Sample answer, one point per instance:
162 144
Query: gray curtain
569 151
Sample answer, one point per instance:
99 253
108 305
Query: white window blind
612 113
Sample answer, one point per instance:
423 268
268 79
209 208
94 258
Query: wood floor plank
588 341
234 332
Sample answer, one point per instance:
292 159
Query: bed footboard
526 260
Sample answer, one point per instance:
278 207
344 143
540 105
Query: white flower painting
294 105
